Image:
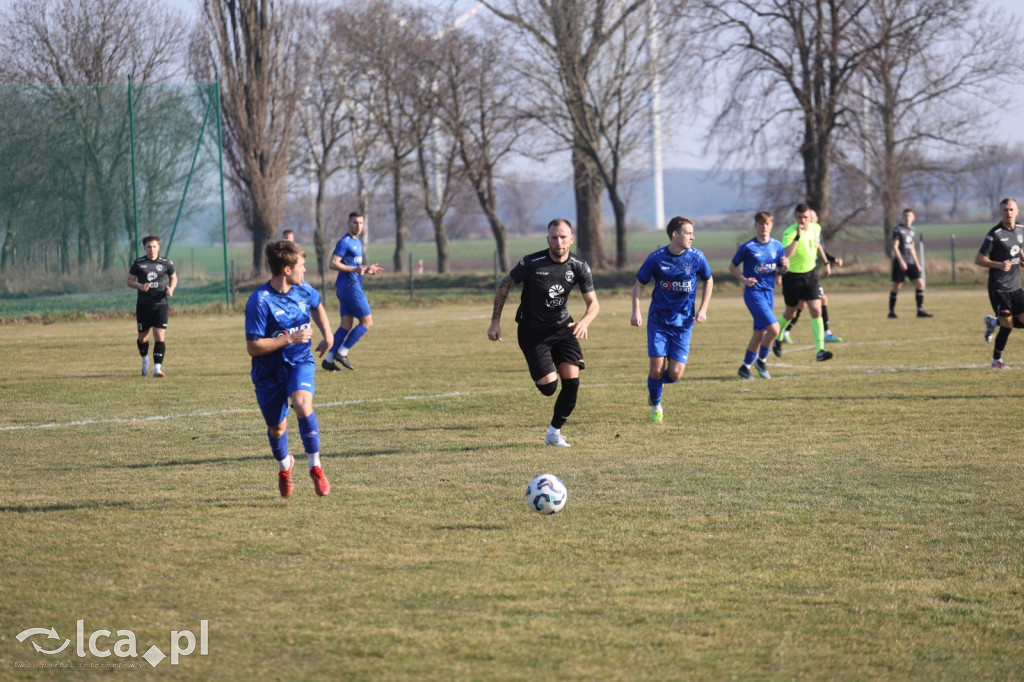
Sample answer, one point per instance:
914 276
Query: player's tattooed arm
500 296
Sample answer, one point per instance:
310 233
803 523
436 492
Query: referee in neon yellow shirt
802 242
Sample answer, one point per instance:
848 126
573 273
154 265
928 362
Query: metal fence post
952 254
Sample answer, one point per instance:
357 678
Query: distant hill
688 192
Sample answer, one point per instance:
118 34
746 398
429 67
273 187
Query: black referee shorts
800 286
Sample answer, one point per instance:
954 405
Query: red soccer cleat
284 479
320 482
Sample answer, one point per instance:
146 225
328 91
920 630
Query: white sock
329 357
343 352
285 463
156 368
314 459
552 429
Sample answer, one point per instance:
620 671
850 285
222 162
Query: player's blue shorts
272 392
669 342
353 302
760 303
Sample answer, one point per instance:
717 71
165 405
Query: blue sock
354 335
748 358
278 446
762 352
654 388
309 430
339 338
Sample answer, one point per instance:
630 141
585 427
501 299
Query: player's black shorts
546 349
149 315
800 286
899 274
1007 303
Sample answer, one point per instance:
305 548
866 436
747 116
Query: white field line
773 363
193 415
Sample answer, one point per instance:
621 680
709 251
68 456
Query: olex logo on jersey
101 644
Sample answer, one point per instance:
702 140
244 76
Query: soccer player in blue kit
278 337
761 259
675 269
356 319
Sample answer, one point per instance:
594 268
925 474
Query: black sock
920 300
824 317
795 318
158 352
143 347
565 403
1001 338
892 301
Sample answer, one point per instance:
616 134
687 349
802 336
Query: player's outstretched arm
500 296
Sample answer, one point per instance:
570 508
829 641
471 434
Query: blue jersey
675 278
269 314
760 262
350 250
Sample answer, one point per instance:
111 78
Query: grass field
856 519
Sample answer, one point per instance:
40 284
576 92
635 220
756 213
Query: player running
155 280
354 309
761 259
548 336
278 337
675 269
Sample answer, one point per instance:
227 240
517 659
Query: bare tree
795 60
85 42
438 173
99 43
564 46
325 113
382 32
923 87
248 43
993 170
479 109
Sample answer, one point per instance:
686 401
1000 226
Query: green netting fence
90 170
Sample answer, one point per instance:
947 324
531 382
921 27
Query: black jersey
546 286
1003 245
156 273
905 237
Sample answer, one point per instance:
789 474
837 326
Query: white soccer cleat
556 439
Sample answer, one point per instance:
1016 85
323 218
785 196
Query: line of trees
849 104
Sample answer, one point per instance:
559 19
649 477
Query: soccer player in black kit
548 336
905 264
155 280
1000 252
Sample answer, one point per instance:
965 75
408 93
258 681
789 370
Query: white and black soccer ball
546 494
